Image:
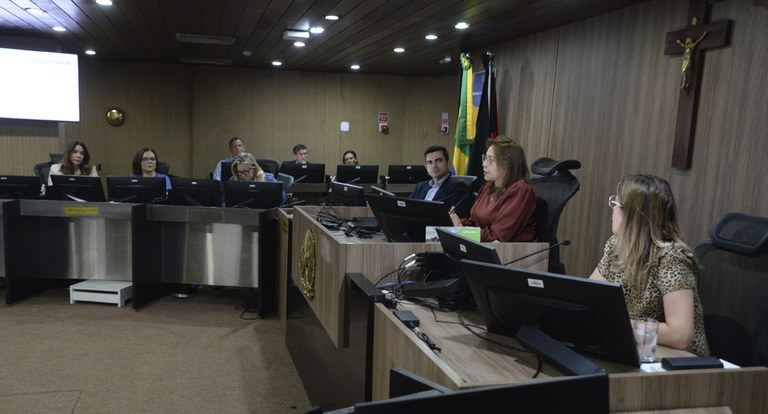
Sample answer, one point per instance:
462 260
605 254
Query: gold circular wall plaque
308 265
115 116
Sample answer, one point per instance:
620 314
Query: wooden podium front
336 255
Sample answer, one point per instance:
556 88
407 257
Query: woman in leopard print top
656 269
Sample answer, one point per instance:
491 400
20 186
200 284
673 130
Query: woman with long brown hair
74 161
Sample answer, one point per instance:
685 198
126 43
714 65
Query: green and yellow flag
465 126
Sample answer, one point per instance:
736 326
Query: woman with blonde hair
245 168
655 267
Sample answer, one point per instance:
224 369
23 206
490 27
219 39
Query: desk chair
466 179
163 167
41 171
287 181
733 288
554 185
269 165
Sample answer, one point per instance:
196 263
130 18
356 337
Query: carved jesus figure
689 46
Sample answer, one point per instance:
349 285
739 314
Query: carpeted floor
193 355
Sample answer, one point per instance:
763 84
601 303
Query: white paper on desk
656 366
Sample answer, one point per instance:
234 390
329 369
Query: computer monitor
195 192
305 173
405 219
406 174
357 174
253 194
226 170
553 395
136 189
381 191
459 248
588 316
19 186
77 188
346 194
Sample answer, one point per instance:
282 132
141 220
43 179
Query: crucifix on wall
691 42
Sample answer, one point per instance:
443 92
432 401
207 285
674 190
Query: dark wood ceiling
366 33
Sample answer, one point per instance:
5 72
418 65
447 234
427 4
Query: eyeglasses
489 158
147 159
244 172
612 203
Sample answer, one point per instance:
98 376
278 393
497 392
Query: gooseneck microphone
562 243
299 179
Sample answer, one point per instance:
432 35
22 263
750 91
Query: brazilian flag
465 125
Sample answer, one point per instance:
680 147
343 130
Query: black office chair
733 287
268 165
554 185
466 179
41 171
287 181
163 167
55 157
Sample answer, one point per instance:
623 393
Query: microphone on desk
562 243
299 179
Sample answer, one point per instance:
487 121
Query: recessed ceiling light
299 44
445 60
104 2
295 34
90 52
430 37
247 53
355 67
461 25
399 50
277 63
34 10
331 17
58 29
316 30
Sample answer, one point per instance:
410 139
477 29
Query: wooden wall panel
614 100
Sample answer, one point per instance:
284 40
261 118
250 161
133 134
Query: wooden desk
337 255
467 361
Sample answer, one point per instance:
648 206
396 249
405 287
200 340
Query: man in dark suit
441 187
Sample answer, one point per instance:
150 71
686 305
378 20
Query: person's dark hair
510 158
66 164
344 155
435 148
299 147
233 139
136 164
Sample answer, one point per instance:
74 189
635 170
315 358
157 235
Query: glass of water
646 336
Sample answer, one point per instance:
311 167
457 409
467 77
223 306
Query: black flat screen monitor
304 173
77 188
407 174
136 189
588 316
253 194
558 395
406 219
347 194
19 186
381 191
460 248
357 174
195 192
226 170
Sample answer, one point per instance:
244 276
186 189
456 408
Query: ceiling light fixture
295 35
316 30
204 39
104 2
206 61
445 60
431 37
299 44
355 67
277 63
34 10
462 25
58 29
331 17
90 52
399 50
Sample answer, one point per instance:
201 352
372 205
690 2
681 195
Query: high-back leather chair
287 181
268 165
163 167
466 179
554 185
733 288
41 170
